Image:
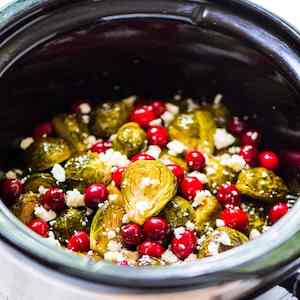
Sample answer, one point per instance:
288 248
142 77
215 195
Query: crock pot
52 52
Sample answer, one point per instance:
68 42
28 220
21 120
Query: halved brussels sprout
46 152
221 240
88 168
69 221
23 209
207 212
256 214
108 218
262 184
74 131
115 195
130 139
108 117
178 212
148 185
165 156
34 181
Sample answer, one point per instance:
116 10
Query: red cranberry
277 212
151 248
159 107
117 176
95 194
156 228
142 156
177 171
189 186
42 130
99 147
195 160
54 199
158 135
131 234
79 106
143 115
183 245
40 227
268 160
251 137
235 217
11 189
249 153
236 126
79 242
228 195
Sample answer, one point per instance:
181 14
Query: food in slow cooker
147 182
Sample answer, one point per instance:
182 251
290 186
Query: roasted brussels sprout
69 221
24 207
130 139
108 219
34 181
165 156
115 195
178 212
71 129
261 184
46 152
220 240
148 185
108 117
256 214
88 168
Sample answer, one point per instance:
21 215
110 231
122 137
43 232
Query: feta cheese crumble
114 158
154 151
254 234
25 143
85 108
220 223
114 246
200 197
202 177
235 162
173 109
178 232
223 139
45 215
74 198
156 122
58 173
169 257
167 117
176 147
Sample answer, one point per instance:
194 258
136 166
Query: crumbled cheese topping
113 256
172 108
114 246
191 105
234 150
218 98
89 211
90 141
74 198
125 219
200 197
85 119
190 225
114 158
167 117
11 175
25 143
235 162
254 234
85 108
213 248
145 260
222 238
169 257
111 234
156 122
220 223
112 197
178 232
45 215
58 173
147 181
176 147
42 190
202 177
154 151
223 139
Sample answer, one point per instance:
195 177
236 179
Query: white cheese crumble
220 223
167 117
223 139
154 151
89 211
111 234
45 215
90 141
178 232
172 108
222 238
213 248
114 246
234 150
156 122
113 256
85 108
25 143
254 234
86 119
169 257
125 219
11 175
190 225
202 177
114 158
176 147
112 197
218 98
58 173
74 198
200 197
192 105
235 162
42 190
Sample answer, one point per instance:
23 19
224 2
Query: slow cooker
52 51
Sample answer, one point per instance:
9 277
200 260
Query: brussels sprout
148 185
23 209
69 221
108 218
256 214
165 156
46 152
107 118
88 168
115 195
220 240
207 128
261 184
207 212
130 139
70 128
178 211
34 181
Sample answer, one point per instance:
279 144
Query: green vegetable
34 181
165 156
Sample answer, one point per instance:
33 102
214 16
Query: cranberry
251 137
54 199
235 217
81 107
79 242
11 189
189 186
277 212
195 160
143 115
177 171
183 245
156 228
151 248
268 160
158 135
228 195
95 194
236 126
42 130
249 153
159 107
142 156
40 227
132 234
117 176
99 147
